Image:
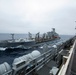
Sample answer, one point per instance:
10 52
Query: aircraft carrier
58 59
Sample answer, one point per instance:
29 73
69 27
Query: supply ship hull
15 44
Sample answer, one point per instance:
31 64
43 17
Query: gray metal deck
46 68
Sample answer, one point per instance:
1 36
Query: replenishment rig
30 41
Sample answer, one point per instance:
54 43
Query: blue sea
9 57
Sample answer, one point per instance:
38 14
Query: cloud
20 16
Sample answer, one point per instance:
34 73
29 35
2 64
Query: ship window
20 64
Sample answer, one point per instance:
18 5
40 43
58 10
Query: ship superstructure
46 36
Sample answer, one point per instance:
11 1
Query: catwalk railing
67 62
33 65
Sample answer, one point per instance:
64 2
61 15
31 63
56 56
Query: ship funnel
53 29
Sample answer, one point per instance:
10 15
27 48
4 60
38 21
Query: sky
23 16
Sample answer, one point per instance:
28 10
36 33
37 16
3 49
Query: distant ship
25 43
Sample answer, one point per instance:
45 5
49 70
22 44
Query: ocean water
9 57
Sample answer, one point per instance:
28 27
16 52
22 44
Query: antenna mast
13 37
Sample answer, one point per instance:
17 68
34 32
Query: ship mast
75 28
30 36
12 37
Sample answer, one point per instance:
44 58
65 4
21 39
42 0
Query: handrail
65 66
38 62
42 62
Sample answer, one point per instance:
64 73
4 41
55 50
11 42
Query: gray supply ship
28 43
